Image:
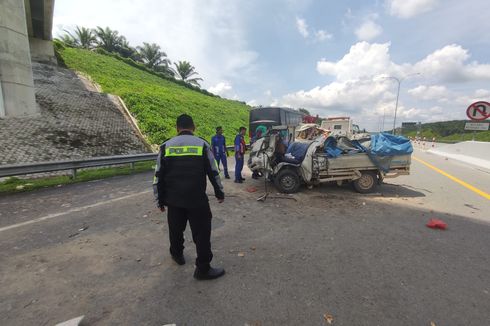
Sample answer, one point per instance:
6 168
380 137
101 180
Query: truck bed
361 161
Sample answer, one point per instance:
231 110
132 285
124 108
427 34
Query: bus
265 118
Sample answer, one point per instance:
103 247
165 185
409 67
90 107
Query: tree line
151 55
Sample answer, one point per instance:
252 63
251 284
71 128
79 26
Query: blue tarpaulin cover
298 151
331 148
384 144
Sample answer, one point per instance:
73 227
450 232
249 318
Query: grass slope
156 102
448 131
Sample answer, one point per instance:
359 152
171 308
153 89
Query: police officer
218 143
180 185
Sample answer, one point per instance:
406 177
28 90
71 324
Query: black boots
211 274
179 259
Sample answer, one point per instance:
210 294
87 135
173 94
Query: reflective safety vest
183 164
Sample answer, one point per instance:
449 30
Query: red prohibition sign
478 111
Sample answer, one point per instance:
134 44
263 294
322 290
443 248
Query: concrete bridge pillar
16 81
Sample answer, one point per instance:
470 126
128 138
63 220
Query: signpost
407 126
478 111
480 126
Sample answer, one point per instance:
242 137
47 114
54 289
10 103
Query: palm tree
68 40
154 58
107 38
184 70
126 50
83 37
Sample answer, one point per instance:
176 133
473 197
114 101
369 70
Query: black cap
184 121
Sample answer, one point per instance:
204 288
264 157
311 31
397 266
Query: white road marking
74 210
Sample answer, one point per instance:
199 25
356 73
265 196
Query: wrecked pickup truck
364 163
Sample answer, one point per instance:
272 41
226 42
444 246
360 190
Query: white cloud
302 27
349 96
357 91
318 36
275 102
322 35
434 92
368 30
431 114
268 92
464 100
364 60
409 8
252 103
222 88
450 64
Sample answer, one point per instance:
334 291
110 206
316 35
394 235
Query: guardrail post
132 165
73 174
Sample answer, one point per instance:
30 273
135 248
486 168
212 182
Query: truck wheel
287 181
366 183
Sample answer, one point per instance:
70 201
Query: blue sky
330 57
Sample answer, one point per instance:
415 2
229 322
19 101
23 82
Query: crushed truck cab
312 162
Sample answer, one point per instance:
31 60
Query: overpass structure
25 35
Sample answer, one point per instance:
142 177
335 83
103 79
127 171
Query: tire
366 183
287 181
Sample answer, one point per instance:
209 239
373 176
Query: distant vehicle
341 126
309 119
274 116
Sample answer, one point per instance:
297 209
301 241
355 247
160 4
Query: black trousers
200 221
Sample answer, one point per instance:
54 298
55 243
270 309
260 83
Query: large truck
268 117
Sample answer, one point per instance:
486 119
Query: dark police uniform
180 184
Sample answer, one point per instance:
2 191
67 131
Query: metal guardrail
43 167
73 165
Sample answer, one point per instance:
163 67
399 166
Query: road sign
480 126
409 124
478 111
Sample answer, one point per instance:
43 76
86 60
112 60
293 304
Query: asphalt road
100 249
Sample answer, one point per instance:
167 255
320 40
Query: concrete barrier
476 153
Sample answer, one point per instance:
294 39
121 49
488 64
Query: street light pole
384 115
399 81
396 105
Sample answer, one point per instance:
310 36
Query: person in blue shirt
239 154
218 143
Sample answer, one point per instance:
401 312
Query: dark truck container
274 116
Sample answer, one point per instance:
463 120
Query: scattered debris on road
328 319
72 322
241 254
436 224
30 302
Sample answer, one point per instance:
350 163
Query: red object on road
251 189
436 224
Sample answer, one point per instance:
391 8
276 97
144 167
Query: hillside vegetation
447 131
156 102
